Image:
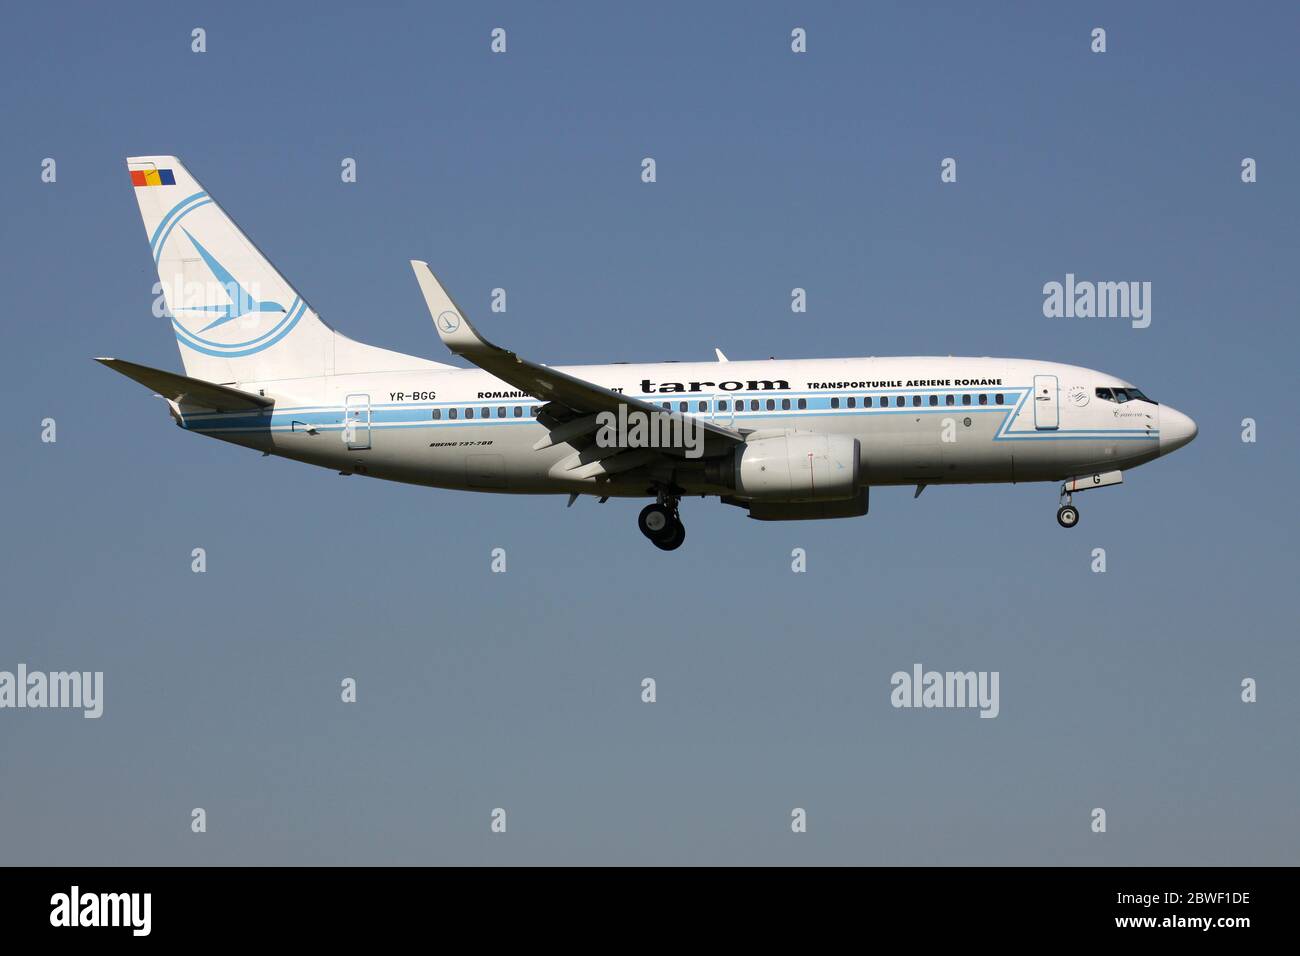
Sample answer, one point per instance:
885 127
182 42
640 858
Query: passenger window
437 414
722 404
451 413
997 399
519 411
934 400
835 403
965 399
852 403
501 411
916 401
866 402
785 404
704 406
753 404
949 400
803 402
771 404
984 399
668 406
469 413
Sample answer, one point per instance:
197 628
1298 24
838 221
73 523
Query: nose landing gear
662 525
1067 516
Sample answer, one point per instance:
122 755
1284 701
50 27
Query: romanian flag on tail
152 177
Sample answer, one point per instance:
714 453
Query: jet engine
791 467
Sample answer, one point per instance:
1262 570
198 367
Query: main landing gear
1067 516
661 524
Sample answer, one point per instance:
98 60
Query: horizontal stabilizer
188 391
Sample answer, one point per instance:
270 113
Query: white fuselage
925 420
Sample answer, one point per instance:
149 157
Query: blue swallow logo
241 301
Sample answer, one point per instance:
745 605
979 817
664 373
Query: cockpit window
1122 395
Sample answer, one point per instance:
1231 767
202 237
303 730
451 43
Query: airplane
782 439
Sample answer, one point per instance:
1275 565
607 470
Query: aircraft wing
581 397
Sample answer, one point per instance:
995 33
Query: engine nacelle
794 466
806 510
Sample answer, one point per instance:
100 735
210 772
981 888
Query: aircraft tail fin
235 316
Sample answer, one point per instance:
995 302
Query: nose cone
1176 429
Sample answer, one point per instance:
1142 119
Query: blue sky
522 690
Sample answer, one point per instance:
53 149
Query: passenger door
1047 414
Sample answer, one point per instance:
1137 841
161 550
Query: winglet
453 328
